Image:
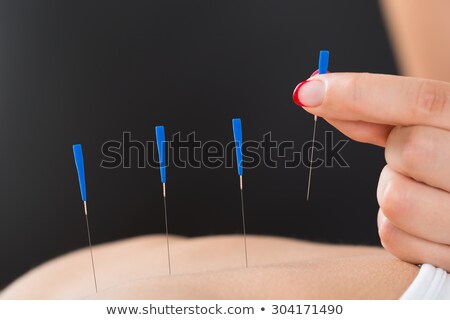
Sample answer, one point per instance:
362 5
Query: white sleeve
431 283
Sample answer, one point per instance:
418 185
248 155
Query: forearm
419 34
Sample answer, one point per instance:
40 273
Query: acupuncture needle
237 132
323 68
79 163
160 142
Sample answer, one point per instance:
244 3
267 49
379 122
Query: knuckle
430 99
415 149
390 149
386 234
389 240
394 203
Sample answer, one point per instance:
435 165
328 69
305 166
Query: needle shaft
311 158
90 245
243 221
167 228
323 69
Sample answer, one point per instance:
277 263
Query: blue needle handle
79 163
323 61
160 142
237 131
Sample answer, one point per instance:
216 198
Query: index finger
376 98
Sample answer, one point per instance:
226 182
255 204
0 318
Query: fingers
414 207
366 132
421 153
376 98
410 248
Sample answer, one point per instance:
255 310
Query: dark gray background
85 71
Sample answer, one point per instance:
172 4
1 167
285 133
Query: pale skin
419 31
409 117
214 268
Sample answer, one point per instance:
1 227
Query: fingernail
309 93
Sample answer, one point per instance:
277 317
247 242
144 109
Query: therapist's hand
411 118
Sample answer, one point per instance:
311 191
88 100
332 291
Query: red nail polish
295 93
314 73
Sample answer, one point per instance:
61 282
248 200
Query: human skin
419 31
214 268
410 118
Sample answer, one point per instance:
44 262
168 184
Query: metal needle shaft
311 158
90 245
243 221
323 69
167 228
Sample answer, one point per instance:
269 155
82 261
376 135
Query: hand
411 118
